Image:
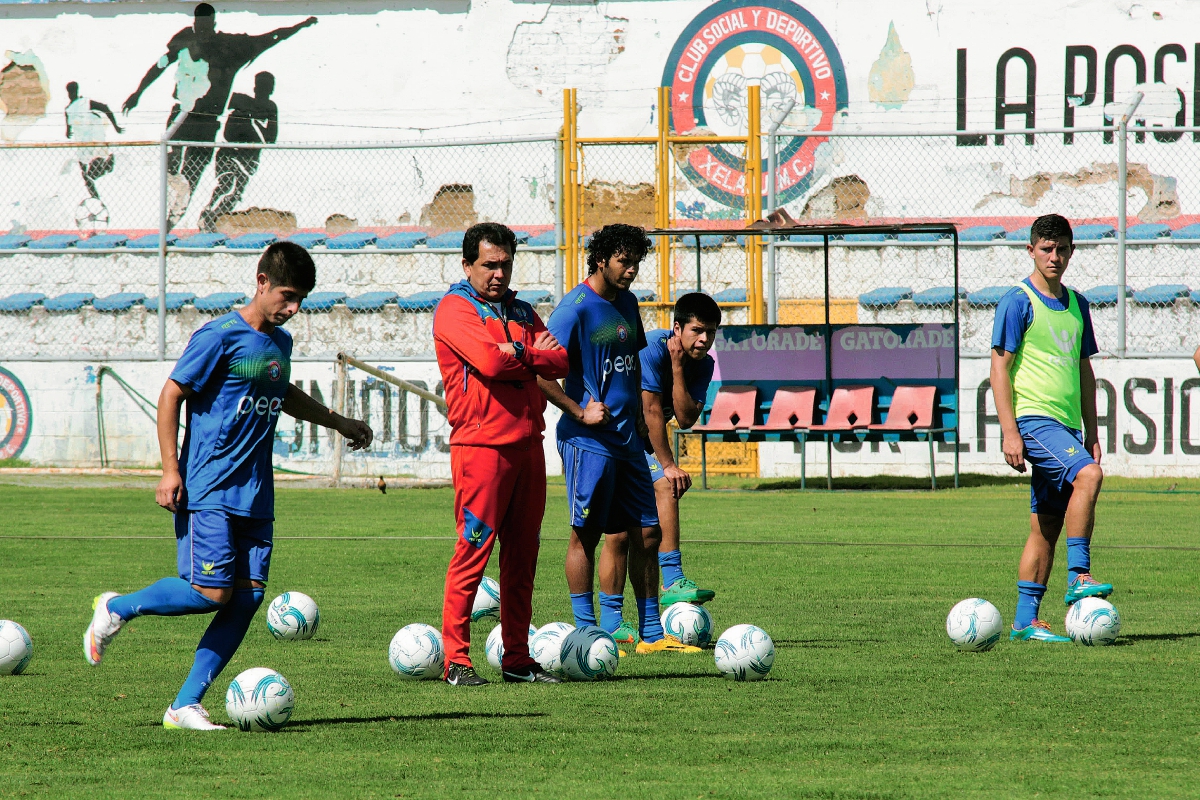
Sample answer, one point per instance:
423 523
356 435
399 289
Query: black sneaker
462 675
533 674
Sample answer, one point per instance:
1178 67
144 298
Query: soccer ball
691 624
293 615
417 652
745 653
91 216
588 653
259 699
546 646
1093 621
974 625
495 645
16 648
487 600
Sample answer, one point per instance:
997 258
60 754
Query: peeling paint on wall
1162 201
891 79
256 220
570 46
453 208
24 93
844 198
605 203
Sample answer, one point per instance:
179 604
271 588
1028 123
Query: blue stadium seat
536 296
219 302
102 241
420 301
987 298
1092 233
923 236
644 295
71 301
202 240
307 240
446 241
1105 295
322 301
1019 235
175 301
1147 230
876 238
730 296
55 241
22 301
547 239
522 237
121 301
1187 232
1195 296
252 241
1161 295
887 296
803 237
13 241
707 241
150 241
401 241
371 301
981 233
937 296
351 241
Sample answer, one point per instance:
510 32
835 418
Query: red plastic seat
850 409
912 408
791 409
733 409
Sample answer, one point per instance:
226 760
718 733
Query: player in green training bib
1046 400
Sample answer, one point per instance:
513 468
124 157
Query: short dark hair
617 239
1051 226
697 306
288 264
204 10
491 232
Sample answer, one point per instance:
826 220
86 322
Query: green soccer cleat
1036 631
625 634
685 590
1086 586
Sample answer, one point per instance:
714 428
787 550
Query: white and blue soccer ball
487 600
588 654
259 699
1093 621
293 615
417 652
744 653
546 646
974 625
494 649
690 623
16 648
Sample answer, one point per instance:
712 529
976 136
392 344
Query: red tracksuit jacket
492 398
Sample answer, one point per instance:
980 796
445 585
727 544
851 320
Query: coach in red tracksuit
491 348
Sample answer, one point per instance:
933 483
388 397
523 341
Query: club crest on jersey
274 370
622 332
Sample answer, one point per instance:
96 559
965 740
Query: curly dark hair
617 239
1051 226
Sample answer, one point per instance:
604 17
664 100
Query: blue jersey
602 339
1014 315
657 376
239 377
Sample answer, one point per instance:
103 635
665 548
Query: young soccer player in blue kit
1045 395
235 376
601 430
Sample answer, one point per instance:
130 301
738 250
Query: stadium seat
1019 235
55 241
707 241
446 241
792 409
401 241
923 236
644 295
937 296
1093 233
887 296
1161 295
536 296
547 239
981 233
121 301
987 298
371 301
1187 232
911 408
351 241
307 240
850 409
252 241
732 410
175 301
150 241
1147 230
199 241
22 301
322 301
102 241
1195 296
730 296
421 301
71 301
807 238
863 238
522 237
1105 295
13 241
219 302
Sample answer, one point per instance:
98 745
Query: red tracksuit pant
499 493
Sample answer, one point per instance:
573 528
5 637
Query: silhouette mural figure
251 120
85 123
208 61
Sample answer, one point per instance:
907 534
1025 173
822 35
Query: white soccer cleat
100 632
190 718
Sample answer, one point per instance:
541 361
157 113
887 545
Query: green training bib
1045 372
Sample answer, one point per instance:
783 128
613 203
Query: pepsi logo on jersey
259 405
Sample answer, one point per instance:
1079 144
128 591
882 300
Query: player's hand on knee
1093 447
1014 452
596 413
357 432
680 480
169 491
546 341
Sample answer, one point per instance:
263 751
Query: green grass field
867 698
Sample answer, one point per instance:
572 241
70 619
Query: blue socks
219 643
610 611
1029 600
581 607
170 597
670 564
1079 557
649 624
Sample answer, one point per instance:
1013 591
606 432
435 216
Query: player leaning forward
235 376
1046 400
491 349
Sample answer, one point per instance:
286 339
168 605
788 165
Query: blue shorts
1056 455
607 494
214 547
656 469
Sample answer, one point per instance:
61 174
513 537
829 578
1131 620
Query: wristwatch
519 350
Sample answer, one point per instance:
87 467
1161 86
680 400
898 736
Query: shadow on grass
826 644
1157 637
966 480
668 676
302 724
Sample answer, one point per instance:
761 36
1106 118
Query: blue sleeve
1014 315
199 360
564 324
652 357
1088 347
699 389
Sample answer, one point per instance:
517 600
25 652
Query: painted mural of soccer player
253 120
600 433
235 377
85 123
1045 394
208 61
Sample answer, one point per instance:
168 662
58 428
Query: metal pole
1122 165
163 229
339 403
772 202
559 215
698 262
